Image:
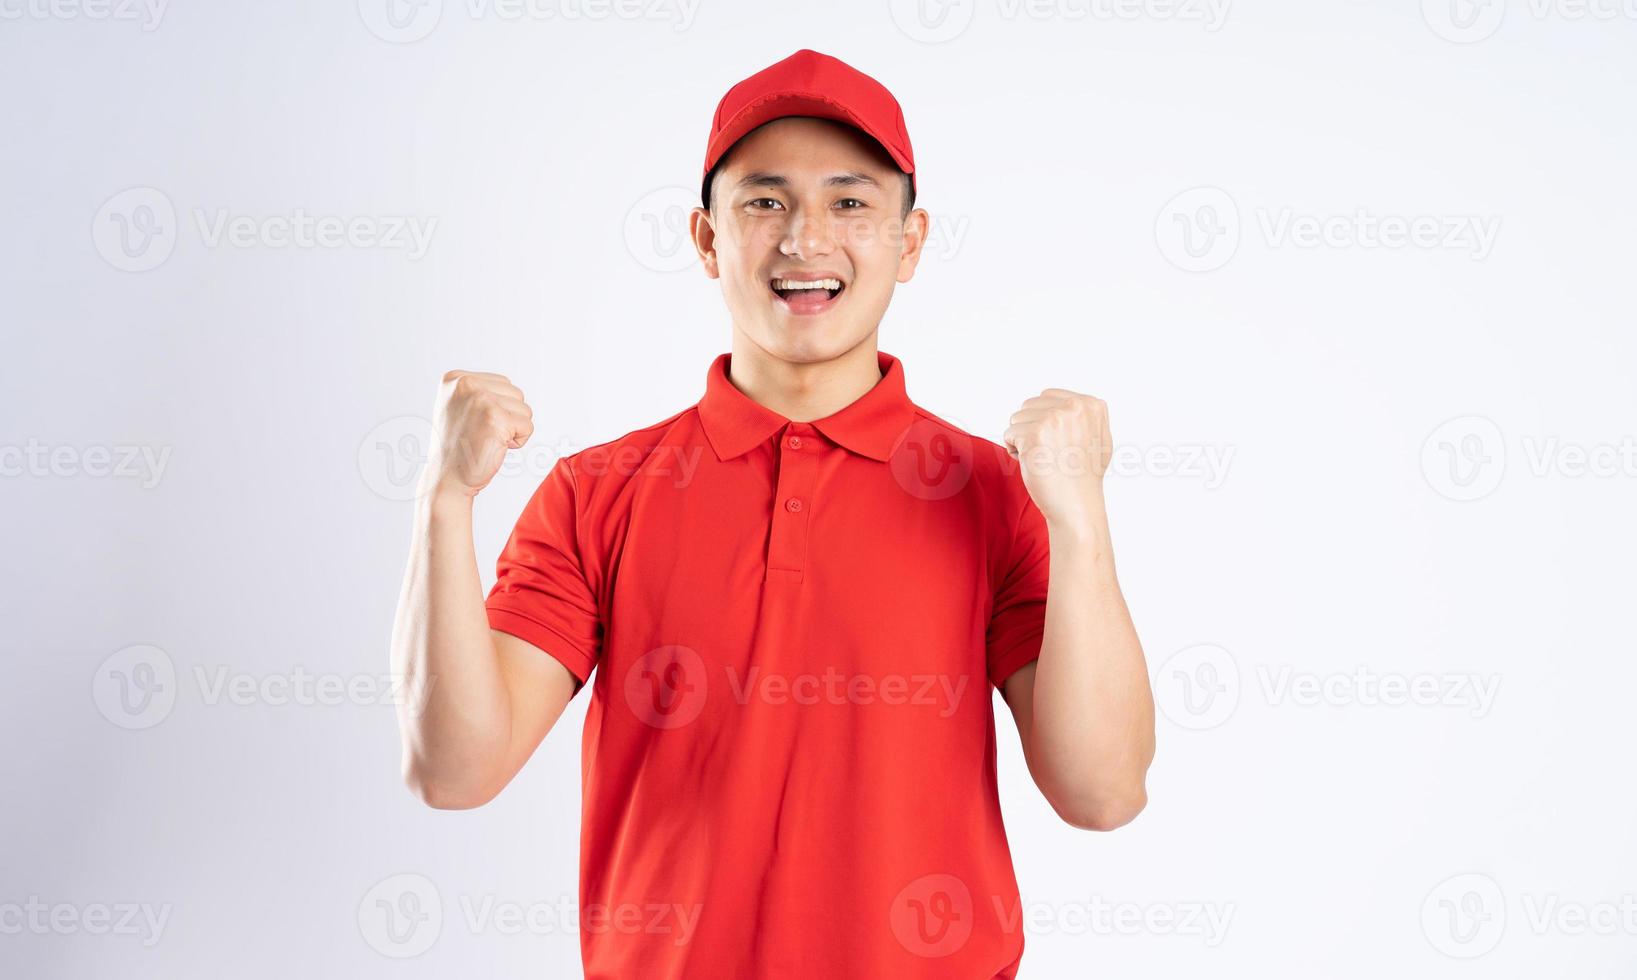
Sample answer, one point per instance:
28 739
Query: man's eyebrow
850 178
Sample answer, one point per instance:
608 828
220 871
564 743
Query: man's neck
803 392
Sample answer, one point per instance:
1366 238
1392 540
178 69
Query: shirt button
793 505
795 442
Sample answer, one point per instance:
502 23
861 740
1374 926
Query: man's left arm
1084 709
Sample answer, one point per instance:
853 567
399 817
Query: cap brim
779 105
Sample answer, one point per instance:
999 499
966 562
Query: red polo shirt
789 754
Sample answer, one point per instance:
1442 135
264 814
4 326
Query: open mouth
807 296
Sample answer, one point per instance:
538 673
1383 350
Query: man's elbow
442 795
1103 812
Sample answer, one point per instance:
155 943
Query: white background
1416 477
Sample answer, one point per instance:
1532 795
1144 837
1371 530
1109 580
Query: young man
795 595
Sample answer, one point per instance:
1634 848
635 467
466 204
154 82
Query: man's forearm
441 646
1092 721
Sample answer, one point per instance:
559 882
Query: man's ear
703 234
912 240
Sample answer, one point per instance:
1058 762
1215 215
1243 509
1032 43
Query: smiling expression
808 235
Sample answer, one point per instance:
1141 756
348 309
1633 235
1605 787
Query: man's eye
758 202
854 200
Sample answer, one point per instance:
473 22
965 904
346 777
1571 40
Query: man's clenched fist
479 416
1062 442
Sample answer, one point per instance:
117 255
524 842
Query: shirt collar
870 426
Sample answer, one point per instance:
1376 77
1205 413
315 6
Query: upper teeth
806 284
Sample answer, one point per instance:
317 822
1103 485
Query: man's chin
807 342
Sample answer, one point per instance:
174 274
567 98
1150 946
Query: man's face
808 199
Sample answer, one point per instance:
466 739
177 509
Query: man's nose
809 233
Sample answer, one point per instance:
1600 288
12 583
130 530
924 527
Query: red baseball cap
809 84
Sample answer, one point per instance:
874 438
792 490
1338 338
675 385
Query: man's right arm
483 699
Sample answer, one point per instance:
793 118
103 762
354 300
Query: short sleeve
541 593
1018 617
